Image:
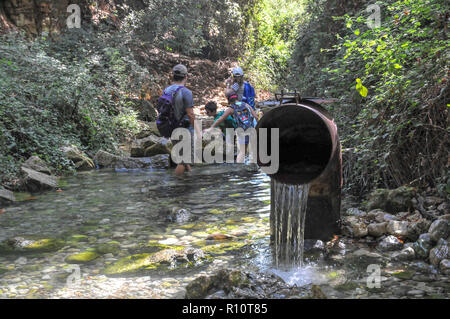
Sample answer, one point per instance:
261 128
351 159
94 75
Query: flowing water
117 216
288 223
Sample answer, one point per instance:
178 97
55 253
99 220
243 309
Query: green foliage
69 91
396 128
271 39
213 29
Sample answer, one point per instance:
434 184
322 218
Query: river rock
365 257
392 201
439 229
105 159
82 258
423 246
439 253
416 228
406 254
138 146
79 158
6 196
34 181
389 243
156 149
397 228
355 227
355 212
22 244
37 164
444 266
377 229
178 215
168 258
444 207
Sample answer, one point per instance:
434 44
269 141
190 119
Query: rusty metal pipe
310 152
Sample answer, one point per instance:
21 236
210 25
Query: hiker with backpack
243 89
244 116
176 109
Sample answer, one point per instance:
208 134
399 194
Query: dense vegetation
82 87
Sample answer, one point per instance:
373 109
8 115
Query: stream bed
148 234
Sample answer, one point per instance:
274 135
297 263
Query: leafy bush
69 91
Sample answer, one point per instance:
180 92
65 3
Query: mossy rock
391 200
167 259
111 247
404 275
222 248
31 245
3 269
79 238
347 286
82 258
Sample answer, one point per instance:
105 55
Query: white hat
238 71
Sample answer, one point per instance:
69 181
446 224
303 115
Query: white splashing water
288 213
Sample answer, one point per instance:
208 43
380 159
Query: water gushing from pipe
287 222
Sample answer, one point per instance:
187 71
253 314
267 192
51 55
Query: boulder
6 196
440 228
377 229
34 181
139 146
32 245
406 254
444 266
179 215
390 243
105 159
82 258
423 246
397 228
416 228
354 227
80 159
438 253
392 201
37 164
156 149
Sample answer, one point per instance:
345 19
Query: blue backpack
242 115
166 121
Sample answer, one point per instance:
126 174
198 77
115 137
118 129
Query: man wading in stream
176 109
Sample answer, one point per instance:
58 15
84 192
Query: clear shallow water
130 208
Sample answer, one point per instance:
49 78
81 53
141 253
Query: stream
106 216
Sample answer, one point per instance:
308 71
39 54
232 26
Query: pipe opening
305 142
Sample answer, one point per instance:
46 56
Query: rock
144 108
34 181
355 212
389 243
423 246
365 257
219 236
21 244
439 253
138 146
156 149
444 266
37 164
393 201
439 229
82 258
433 201
355 227
405 254
179 215
444 207
6 196
111 247
79 158
167 258
397 228
377 229
416 228
105 159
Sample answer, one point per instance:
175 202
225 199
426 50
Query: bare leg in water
181 168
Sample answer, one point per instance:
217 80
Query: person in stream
176 109
244 116
243 89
